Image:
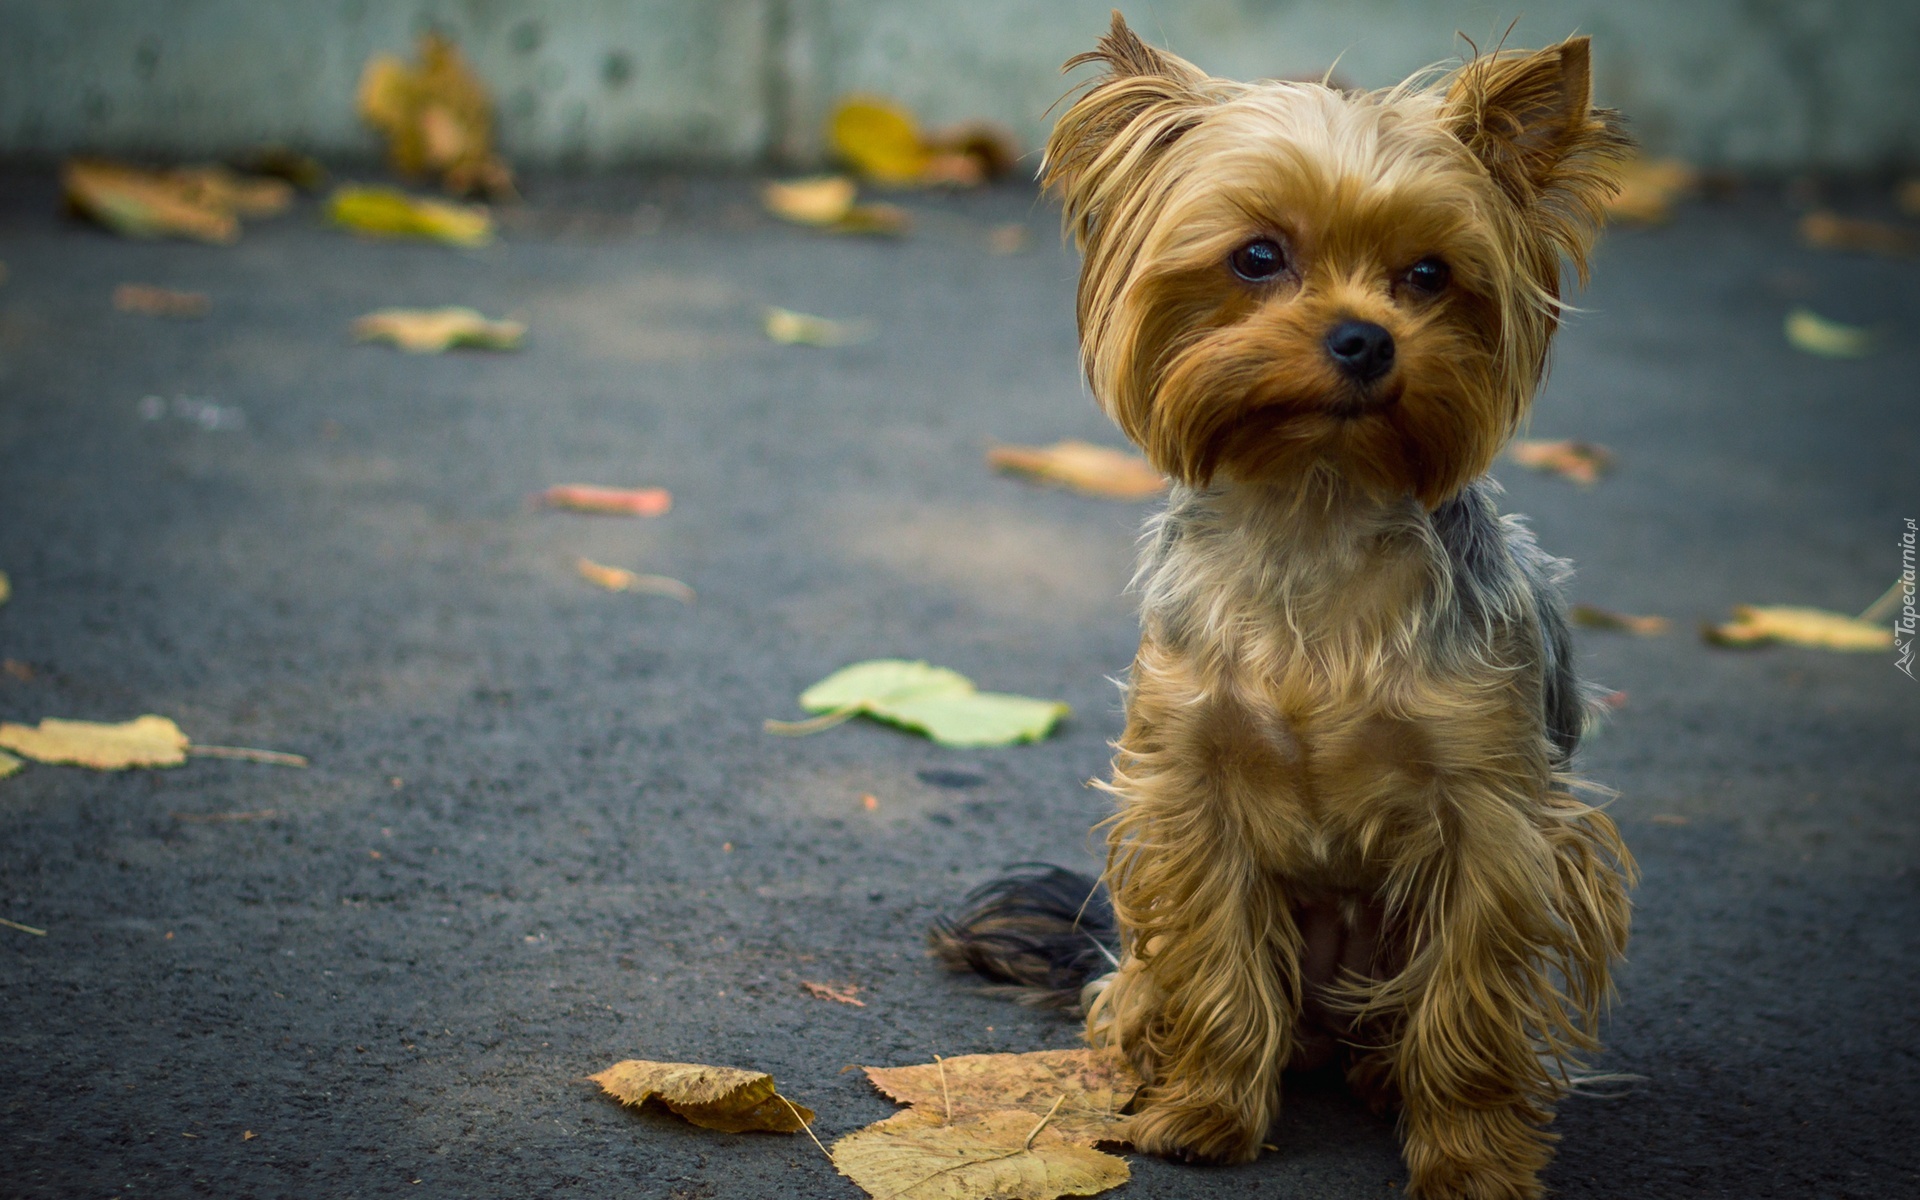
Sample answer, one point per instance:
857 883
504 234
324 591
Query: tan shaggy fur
1339 808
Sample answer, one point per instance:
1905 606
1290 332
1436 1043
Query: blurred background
1745 84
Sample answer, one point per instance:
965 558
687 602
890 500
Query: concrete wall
1740 83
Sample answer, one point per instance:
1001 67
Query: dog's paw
1486 1154
1195 1133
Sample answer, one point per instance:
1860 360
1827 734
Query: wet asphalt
543 829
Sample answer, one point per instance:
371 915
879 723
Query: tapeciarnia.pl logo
1905 620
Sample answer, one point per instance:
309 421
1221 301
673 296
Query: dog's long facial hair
1344 824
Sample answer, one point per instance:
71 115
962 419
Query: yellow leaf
6 588
1813 333
9 764
1084 467
619 579
1593 617
389 212
820 200
437 118
724 1098
1006 1155
147 741
827 202
1096 1086
1829 231
1582 462
1754 625
878 139
1648 188
791 328
432 330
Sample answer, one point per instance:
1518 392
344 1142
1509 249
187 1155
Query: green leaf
935 701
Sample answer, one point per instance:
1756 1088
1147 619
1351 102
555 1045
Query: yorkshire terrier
1346 831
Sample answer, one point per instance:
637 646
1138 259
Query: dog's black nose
1362 349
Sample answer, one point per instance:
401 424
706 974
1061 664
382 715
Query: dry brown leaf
1096 1086
432 330
147 741
619 579
608 501
1593 617
1755 625
1830 231
840 993
827 202
149 301
1582 462
145 204
1006 1155
436 117
1084 467
725 1098
1648 188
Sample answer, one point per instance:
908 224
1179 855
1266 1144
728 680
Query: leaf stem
247 754
838 716
1028 1145
808 1128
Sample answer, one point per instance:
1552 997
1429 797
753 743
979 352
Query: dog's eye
1428 277
1258 260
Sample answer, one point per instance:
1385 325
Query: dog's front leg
1206 996
1524 905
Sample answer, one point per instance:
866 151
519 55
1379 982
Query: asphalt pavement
543 829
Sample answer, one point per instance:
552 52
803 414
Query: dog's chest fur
1338 662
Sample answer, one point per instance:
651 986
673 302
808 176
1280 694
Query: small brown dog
1345 825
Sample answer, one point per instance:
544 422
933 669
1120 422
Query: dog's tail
1040 933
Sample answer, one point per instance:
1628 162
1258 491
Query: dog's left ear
1530 119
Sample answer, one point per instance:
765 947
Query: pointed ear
1529 117
1143 101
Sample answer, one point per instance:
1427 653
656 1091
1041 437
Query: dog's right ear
1140 105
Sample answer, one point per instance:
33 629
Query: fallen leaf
23 671
147 741
389 212
1907 195
10 764
1084 467
1829 231
725 1098
998 1155
6 591
1813 333
1582 462
842 993
201 203
1755 625
608 501
791 328
1648 188
432 330
935 701
827 202
1096 1084
879 139
437 118
1592 617
151 301
619 579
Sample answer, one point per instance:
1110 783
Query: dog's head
1282 277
